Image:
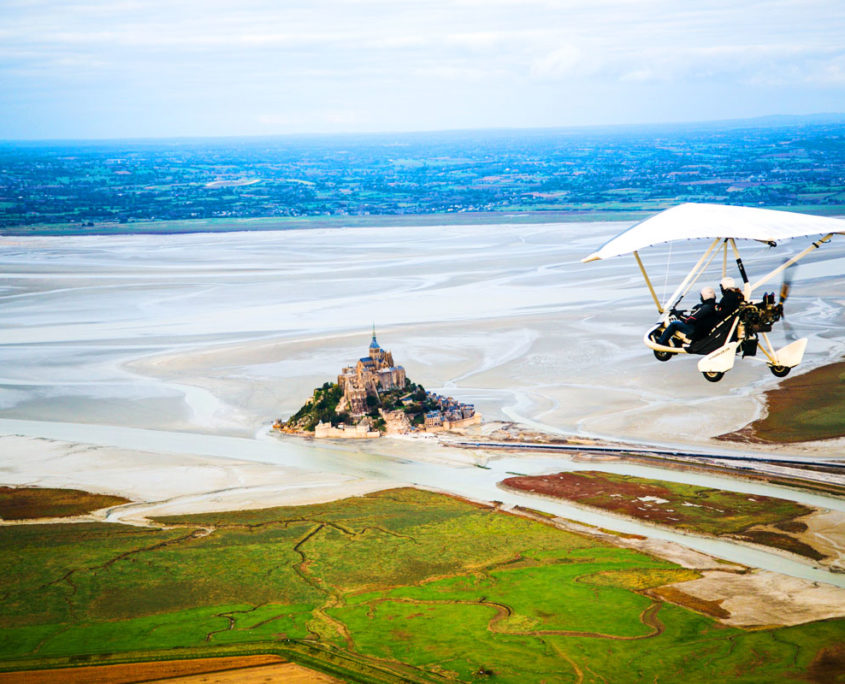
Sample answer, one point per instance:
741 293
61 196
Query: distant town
375 397
109 186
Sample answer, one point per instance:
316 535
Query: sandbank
167 483
762 598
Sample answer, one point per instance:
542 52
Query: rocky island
375 397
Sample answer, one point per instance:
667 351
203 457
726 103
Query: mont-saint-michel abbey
376 397
372 374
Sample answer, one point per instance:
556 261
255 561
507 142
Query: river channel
449 470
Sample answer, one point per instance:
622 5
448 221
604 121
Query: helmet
707 293
727 283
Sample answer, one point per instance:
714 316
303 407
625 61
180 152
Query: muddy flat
27 503
806 408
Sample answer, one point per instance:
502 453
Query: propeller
785 289
786 285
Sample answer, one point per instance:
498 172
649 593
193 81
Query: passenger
698 322
731 298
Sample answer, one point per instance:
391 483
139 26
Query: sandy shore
168 483
766 598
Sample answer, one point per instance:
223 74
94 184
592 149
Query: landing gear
673 342
780 371
713 376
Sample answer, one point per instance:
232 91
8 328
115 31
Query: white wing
692 221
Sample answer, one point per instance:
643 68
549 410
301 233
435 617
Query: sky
76 69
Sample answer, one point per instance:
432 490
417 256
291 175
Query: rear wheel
780 371
713 376
662 355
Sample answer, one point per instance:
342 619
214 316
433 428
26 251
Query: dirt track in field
241 669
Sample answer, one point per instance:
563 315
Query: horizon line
772 119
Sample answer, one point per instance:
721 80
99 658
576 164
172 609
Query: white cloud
341 117
478 40
638 76
275 120
381 54
457 72
830 73
560 63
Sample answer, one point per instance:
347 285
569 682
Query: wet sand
223 333
161 483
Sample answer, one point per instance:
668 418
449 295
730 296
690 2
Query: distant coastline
237 225
454 178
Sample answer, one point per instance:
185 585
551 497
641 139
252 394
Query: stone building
433 419
360 431
372 374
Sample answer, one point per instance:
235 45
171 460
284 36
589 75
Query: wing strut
648 282
786 264
693 275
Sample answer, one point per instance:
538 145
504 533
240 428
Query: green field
402 585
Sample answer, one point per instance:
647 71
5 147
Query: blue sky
156 68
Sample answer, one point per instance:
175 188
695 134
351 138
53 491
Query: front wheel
780 371
662 355
713 376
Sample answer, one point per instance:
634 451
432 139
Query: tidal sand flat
224 333
132 484
187 347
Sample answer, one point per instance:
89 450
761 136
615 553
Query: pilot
698 322
731 297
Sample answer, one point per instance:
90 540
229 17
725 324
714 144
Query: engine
760 316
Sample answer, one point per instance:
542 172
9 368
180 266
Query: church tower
375 350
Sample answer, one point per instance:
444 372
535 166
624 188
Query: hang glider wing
691 221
